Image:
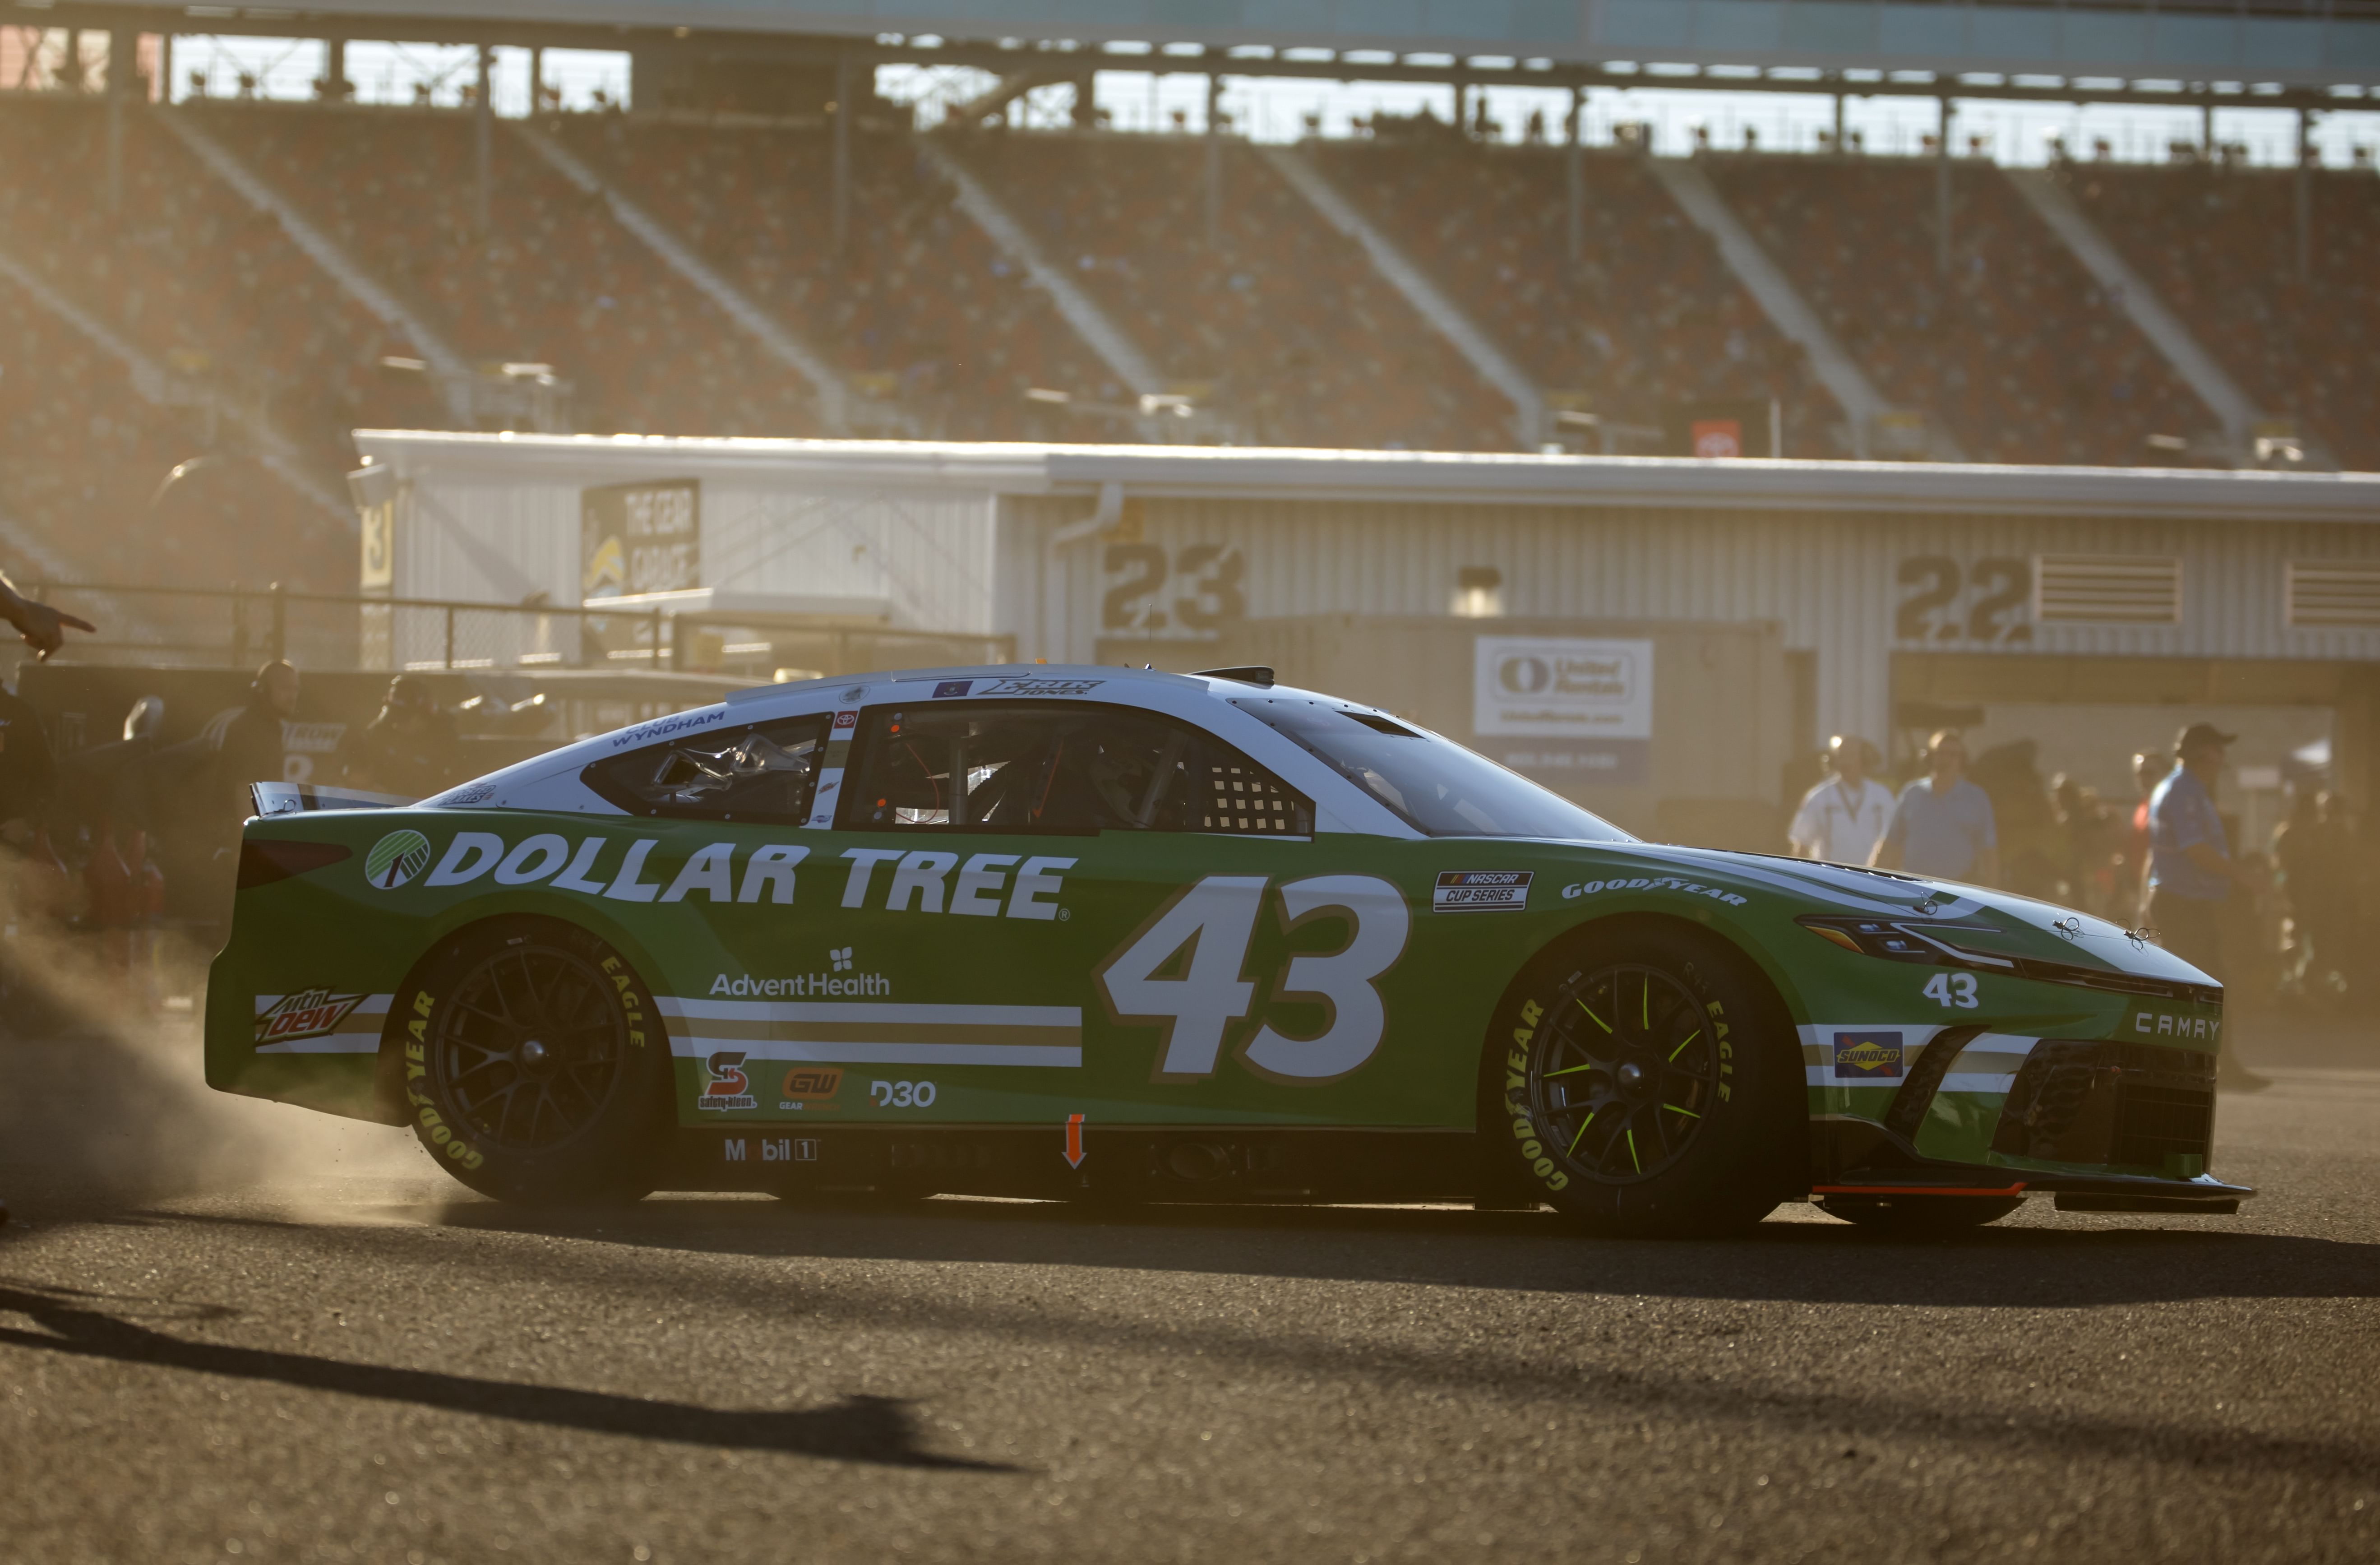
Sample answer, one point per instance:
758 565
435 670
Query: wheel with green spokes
1628 1071
1650 1082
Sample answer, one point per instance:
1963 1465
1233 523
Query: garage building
1669 640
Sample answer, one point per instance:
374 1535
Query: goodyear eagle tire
535 1069
1920 1216
1649 1083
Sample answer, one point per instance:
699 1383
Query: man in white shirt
1842 819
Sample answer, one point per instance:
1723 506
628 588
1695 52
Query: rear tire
536 1068
1920 1216
1649 1082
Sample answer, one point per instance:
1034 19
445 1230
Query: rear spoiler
296 798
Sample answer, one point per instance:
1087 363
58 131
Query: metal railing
240 627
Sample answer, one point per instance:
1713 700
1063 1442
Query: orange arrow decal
1073 1141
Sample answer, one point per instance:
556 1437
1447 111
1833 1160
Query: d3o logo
396 859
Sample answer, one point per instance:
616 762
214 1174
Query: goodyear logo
396 859
1868 1056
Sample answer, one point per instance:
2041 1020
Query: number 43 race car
1097 933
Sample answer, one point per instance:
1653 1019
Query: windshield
1434 783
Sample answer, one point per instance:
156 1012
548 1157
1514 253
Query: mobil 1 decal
1184 973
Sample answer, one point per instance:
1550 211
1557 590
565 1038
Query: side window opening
1069 768
765 772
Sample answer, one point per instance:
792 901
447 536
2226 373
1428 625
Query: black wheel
536 1068
1650 1083
1920 1216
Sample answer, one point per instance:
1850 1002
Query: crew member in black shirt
44 630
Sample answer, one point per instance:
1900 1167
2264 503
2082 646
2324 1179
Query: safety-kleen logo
729 1087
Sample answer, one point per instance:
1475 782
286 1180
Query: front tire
1650 1083
537 1070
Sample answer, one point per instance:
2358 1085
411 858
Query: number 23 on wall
1207 578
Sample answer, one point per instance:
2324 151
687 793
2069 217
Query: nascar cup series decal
396 859
1481 890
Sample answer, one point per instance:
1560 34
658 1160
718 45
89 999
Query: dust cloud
103 1089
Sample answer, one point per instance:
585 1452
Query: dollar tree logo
396 859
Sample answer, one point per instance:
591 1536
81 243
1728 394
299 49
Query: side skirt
1135 1163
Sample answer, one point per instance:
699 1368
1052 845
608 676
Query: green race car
1100 933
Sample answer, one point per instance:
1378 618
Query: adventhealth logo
802 986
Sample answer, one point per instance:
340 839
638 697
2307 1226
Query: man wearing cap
1840 819
2191 869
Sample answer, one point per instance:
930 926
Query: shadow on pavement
870 1429
1781 1262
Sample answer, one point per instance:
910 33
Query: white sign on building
1587 706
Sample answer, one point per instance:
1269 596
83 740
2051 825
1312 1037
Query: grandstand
2010 346
736 255
1644 315
1278 320
2220 244
921 313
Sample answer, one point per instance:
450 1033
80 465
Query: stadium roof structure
1403 477
2269 53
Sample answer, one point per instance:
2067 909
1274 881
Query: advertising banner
640 537
1569 713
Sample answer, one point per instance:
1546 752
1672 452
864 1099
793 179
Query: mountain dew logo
396 859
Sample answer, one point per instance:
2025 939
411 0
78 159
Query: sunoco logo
396 859
1868 1056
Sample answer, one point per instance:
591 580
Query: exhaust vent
2106 589
2333 595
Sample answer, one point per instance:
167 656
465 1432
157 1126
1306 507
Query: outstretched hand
43 627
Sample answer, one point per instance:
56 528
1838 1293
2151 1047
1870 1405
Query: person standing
1842 819
1942 826
254 747
2148 770
2191 869
44 630
410 748
28 772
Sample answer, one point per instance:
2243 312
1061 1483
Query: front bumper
2204 1196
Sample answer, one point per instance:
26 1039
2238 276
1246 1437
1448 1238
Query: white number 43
1952 989
1185 973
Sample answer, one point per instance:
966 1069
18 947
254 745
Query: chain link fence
236 627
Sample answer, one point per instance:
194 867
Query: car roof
1102 673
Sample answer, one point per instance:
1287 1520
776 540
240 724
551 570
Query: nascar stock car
1088 932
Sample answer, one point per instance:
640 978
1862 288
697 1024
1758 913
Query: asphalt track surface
234 1331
